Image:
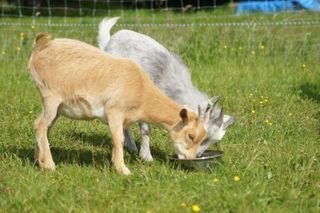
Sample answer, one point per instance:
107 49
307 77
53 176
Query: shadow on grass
105 141
97 156
67 156
309 91
93 139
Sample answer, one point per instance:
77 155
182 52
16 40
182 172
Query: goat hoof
146 157
124 170
50 165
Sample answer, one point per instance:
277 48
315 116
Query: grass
268 77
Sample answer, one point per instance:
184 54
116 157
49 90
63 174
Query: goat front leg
42 126
129 141
116 128
145 132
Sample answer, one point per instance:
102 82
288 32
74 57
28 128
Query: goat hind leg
42 126
129 141
145 132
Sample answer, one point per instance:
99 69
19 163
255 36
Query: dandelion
290 113
253 111
236 178
195 208
268 122
215 180
183 205
250 94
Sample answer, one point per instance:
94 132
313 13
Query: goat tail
42 40
104 31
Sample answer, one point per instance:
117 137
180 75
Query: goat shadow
309 91
85 157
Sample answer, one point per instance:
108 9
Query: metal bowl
207 161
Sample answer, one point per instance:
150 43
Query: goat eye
191 137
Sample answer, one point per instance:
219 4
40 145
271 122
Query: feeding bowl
207 161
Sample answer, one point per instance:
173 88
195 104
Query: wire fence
20 8
141 13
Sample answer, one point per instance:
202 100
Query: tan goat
80 81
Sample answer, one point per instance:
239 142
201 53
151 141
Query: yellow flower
21 34
304 66
195 208
183 205
253 52
290 114
215 180
236 178
268 122
33 27
261 46
253 111
250 94
225 46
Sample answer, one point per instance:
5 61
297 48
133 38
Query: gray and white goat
170 74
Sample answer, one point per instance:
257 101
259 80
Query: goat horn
199 111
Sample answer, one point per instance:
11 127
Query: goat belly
82 109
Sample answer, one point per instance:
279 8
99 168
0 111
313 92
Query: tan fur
80 81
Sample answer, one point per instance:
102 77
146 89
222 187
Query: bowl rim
216 154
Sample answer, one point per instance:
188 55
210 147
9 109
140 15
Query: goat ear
184 115
231 120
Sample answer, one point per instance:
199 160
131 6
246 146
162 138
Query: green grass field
267 76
